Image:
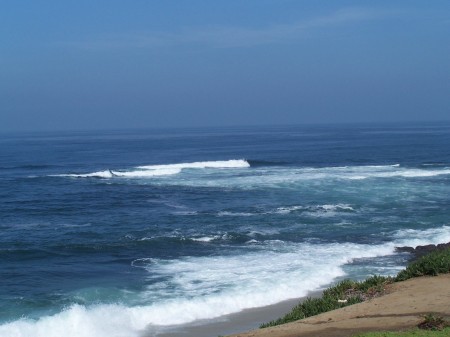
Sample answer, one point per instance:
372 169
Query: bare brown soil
402 307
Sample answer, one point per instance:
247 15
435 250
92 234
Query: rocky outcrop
420 251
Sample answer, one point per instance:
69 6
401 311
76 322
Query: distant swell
160 170
271 175
239 163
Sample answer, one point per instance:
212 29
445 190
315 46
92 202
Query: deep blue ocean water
125 231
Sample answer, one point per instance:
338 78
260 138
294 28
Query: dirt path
402 307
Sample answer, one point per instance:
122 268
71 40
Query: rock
404 249
420 251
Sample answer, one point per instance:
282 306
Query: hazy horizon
115 65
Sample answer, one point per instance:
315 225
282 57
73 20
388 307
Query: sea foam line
264 176
264 278
160 170
209 287
233 163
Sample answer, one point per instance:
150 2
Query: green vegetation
411 333
341 295
350 292
434 263
432 326
311 307
434 323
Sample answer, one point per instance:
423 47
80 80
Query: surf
203 288
148 171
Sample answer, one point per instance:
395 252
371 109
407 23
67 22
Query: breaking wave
160 170
196 288
260 176
239 163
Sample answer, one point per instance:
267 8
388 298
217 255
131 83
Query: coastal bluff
402 307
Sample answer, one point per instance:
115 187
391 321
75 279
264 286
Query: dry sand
402 307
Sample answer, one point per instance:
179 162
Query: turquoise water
129 230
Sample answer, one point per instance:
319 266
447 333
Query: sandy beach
402 307
229 324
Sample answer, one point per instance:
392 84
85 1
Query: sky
87 65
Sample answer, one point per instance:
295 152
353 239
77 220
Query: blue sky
79 65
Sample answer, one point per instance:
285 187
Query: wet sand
230 324
402 307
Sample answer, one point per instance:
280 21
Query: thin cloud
234 37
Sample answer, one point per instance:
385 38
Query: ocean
127 233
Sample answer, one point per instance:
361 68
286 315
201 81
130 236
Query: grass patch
434 263
412 333
432 326
341 295
350 292
433 322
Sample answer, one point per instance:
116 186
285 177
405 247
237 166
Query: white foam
227 213
288 209
146 173
278 272
417 173
328 210
100 174
234 163
252 232
205 287
415 237
145 238
402 172
161 170
206 238
315 210
385 171
197 288
260 176
79 321
190 213
291 177
336 207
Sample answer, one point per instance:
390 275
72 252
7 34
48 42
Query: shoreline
251 319
402 307
245 320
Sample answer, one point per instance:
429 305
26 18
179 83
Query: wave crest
233 163
206 287
160 170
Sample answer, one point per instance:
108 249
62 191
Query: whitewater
131 233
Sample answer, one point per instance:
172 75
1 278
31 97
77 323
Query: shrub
433 322
311 307
434 263
349 291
